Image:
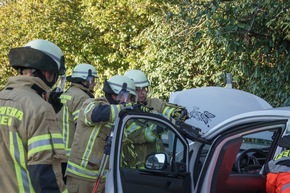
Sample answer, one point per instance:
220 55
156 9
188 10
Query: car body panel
215 162
208 106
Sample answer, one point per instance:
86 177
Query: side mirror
156 161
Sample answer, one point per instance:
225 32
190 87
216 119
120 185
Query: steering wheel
252 162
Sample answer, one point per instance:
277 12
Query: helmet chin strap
39 74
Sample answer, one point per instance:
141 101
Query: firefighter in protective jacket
95 121
144 141
278 169
81 88
31 144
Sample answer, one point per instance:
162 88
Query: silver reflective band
285 187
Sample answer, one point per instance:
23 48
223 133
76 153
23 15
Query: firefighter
96 118
81 88
31 144
144 141
278 170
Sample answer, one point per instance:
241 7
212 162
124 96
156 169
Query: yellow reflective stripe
38 138
57 141
68 151
115 109
65 126
90 144
285 153
39 149
76 115
17 153
65 191
167 111
149 135
39 143
133 127
44 142
81 171
65 97
87 110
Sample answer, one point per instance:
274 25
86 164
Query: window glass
143 137
253 151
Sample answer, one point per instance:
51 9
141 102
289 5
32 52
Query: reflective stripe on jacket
95 121
31 144
72 100
278 178
141 139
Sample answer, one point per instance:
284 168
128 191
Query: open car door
141 162
239 149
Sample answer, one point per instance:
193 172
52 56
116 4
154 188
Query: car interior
240 164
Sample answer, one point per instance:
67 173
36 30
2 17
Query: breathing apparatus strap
38 73
39 90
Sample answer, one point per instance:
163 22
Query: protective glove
160 130
54 100
180 113
142 108
126 104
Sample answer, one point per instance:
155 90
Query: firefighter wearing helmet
277 170
147 140
82 86
96 118
31 142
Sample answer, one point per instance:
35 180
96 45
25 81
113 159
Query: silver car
227 156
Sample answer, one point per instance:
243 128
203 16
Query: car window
144 137
252 154
253 151
260 140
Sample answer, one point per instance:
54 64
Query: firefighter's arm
97 112
168 109
45 151
142 133
175 111
271 182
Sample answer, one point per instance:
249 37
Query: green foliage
200 41
178 44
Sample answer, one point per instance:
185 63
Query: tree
178 44
95 32
201 40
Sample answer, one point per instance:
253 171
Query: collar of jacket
86 90
26 81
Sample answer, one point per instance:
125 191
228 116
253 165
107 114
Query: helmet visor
123 96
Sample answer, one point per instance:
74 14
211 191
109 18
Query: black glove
142 108
54 100
180 113
160 130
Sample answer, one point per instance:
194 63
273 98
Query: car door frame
114 176
210 169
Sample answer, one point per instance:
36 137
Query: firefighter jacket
142 140
31 145
72 100
95 121
167 109
278 173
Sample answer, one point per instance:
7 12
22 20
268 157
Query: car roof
264 115
209 106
